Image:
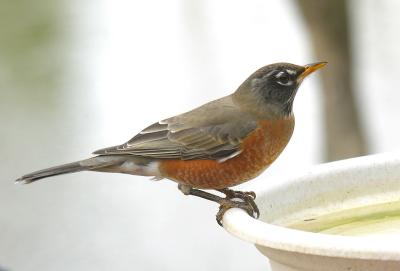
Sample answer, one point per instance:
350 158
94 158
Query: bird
216 146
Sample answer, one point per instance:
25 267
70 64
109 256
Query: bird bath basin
343 215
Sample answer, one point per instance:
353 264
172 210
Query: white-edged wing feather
212 131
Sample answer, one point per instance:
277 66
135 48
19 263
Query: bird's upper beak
310 68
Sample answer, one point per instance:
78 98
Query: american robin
215 146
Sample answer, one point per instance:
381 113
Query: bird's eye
283 79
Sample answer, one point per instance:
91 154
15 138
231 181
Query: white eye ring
279 74
291 72
283 83
289 83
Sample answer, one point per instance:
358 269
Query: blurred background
76 76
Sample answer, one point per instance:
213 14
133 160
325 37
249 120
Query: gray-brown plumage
212 131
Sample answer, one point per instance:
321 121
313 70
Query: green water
379 219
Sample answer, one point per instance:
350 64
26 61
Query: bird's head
273 88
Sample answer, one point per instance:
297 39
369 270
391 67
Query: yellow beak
310 68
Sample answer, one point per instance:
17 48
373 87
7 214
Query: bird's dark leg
245 202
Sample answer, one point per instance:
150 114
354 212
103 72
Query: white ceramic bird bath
350 209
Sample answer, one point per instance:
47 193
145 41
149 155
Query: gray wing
213 131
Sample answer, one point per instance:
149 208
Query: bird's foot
225 205
237 199
233 199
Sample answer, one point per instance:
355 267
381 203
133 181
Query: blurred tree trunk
329 31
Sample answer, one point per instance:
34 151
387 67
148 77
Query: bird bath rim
263 234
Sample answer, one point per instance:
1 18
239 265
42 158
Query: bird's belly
260 148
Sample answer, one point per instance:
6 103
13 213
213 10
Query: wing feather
213 131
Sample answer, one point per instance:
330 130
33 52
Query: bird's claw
246 203
250 208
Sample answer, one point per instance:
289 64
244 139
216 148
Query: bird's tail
95 163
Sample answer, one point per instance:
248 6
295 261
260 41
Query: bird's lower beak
310 68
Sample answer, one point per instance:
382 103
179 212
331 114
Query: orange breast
260 148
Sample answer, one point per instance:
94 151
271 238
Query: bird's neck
259 107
